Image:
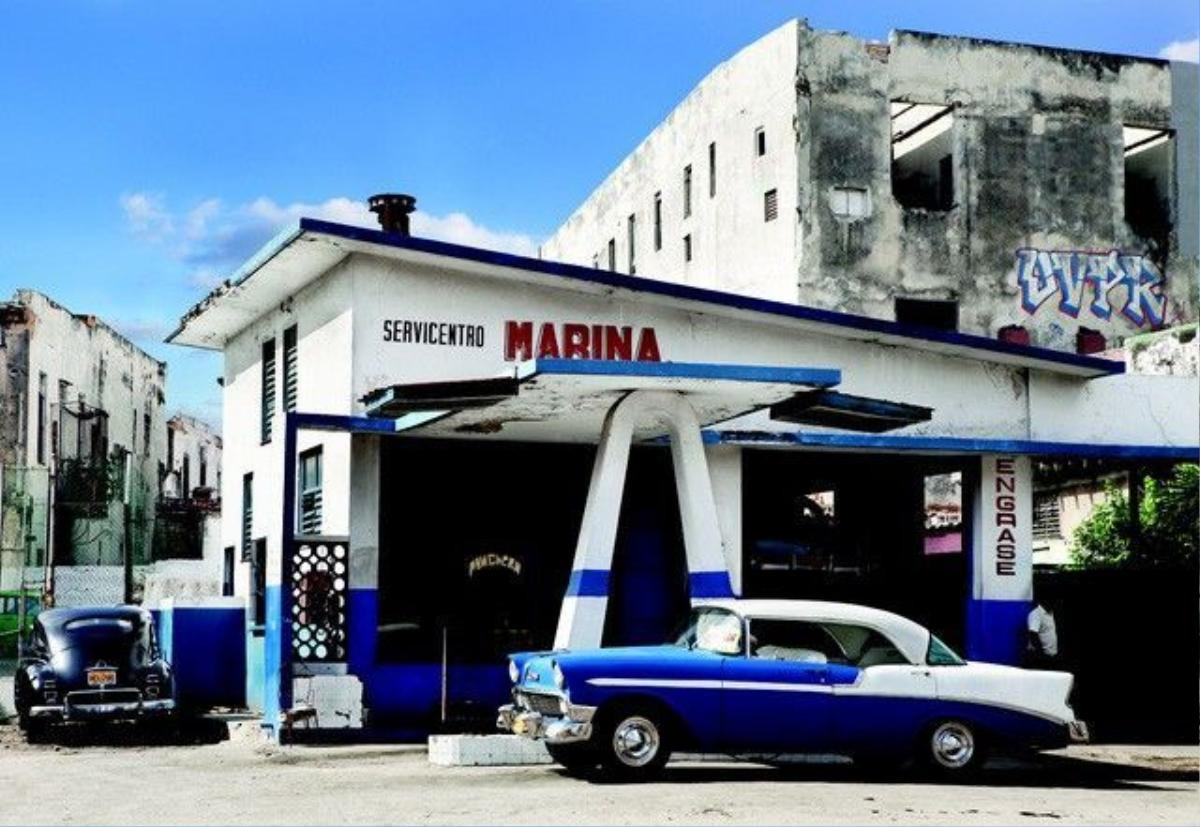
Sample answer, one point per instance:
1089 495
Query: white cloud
1188 50
146 215
214 239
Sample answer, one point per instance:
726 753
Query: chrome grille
92 697
540 703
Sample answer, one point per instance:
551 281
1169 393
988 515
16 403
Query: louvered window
770 205
310 491
1046 522
290 379
268 388
247 516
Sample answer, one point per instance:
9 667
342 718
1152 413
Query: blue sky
146 149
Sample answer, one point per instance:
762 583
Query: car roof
55 619
911 638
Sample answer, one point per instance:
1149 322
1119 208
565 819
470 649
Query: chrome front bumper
571 728
122 709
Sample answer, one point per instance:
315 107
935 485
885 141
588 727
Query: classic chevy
774 676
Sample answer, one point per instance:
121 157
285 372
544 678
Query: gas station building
437 454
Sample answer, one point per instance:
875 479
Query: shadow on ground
184 732
1049 771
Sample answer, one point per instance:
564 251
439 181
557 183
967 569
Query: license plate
520 726
102 677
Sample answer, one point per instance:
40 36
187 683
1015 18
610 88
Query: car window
939 654
714 630
793 640
864 646
99 624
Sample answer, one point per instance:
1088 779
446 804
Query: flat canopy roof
566 400
310 248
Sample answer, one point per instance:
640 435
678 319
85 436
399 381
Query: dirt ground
85 779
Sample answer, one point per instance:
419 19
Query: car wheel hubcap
636 741
953 745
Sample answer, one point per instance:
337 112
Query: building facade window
687 247
309 480
687 190
227 572
658 221
268 388
247 516
258 583
147 432
940 314
185 477
203 466
612 254
630 235
41 419
923 155
712 169
770 205
1149 182
760 142
291 377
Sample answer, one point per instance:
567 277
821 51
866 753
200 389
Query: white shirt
1041 623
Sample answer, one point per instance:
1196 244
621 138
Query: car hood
579 666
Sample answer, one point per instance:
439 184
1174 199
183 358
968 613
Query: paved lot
87 780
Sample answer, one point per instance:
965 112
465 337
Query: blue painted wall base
996 630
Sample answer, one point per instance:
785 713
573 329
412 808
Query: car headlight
560 680
514 671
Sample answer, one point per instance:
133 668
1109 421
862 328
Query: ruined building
84 451
1042 195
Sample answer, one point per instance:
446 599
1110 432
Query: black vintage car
92 664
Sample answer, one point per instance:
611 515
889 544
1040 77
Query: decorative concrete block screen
318 574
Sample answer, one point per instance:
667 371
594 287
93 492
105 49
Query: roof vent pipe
392 209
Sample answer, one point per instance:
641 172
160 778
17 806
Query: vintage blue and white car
768 677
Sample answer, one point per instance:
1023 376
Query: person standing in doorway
1041 646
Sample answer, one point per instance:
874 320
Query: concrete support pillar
1001 542
581 622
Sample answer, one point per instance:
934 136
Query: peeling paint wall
1037 150
99 366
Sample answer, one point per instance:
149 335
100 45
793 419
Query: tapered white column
581 621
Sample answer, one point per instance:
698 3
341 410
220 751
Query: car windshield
712 629
939 654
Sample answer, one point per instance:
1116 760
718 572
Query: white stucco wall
732 246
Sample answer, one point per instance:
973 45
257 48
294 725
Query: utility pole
127 514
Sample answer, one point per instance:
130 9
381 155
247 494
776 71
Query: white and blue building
437 454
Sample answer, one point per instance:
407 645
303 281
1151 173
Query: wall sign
433 332
1004 559
547 340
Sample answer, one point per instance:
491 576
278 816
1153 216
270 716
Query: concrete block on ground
497 750
335 700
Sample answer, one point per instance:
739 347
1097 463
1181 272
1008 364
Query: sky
147 149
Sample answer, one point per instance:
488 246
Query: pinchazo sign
1131 284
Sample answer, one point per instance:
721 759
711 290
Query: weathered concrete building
82 412
941 181
92 471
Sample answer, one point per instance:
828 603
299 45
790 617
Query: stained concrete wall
1038 193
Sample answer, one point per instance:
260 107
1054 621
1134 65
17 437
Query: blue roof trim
588 583
686 292
811 377
955 445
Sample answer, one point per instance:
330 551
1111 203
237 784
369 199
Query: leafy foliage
1169 518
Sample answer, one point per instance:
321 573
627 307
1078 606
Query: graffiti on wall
1105 282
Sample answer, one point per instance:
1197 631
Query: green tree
1168 516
